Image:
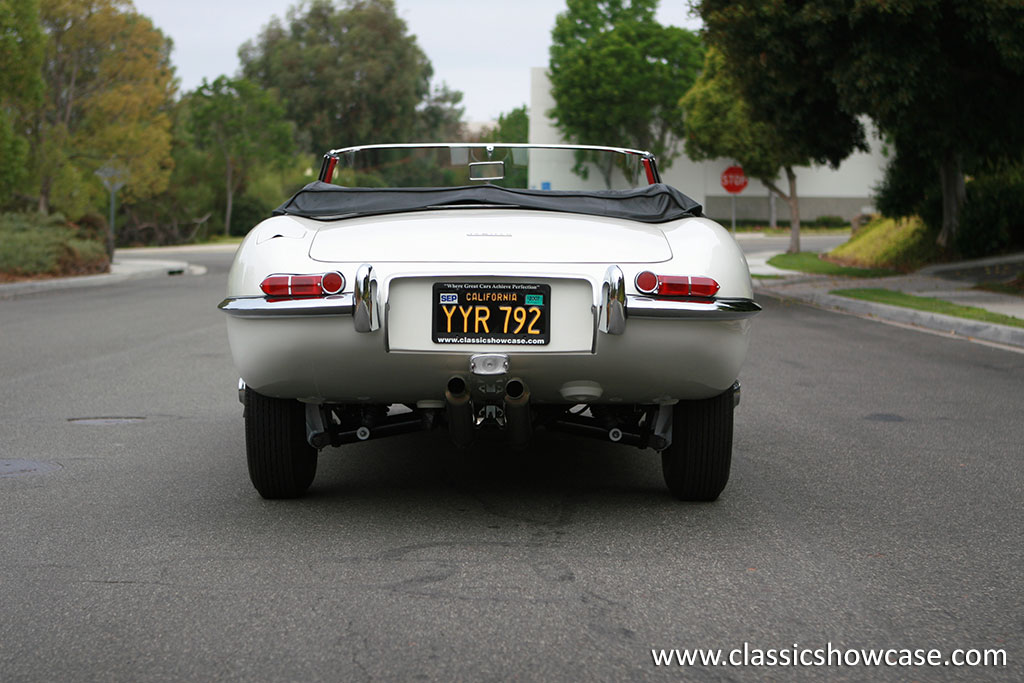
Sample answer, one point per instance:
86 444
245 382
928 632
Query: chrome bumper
636 307
260 307
716 309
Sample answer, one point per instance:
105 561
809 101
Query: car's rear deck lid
489 235
658 203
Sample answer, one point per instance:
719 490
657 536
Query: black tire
696 465
282 464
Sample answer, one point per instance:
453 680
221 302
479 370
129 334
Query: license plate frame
453 324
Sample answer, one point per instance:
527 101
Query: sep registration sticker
491 313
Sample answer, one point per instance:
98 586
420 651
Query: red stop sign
733 179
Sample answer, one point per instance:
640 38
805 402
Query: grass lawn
808 262
932 305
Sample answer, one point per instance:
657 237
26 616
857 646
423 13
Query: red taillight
285 286
703 286
276 285
647 282
332 283
675 285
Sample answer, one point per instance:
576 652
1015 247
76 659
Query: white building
846 191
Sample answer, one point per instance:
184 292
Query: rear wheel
696 465
282 464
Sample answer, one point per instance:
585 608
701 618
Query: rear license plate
491 313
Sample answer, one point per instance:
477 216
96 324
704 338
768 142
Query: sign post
113 178
733 181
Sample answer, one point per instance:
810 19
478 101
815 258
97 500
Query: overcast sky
484 48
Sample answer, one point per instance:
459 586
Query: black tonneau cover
657 203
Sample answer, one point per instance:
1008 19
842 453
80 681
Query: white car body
611 346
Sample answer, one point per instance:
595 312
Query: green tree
109 89
617 76
182 211
243 126
349 75
945 80
513 126
719 125
21 86
439 117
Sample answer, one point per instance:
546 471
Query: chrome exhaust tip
518 421
459 410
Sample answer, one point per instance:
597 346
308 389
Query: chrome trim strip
716 309
346 304
612 311
366 315
260 307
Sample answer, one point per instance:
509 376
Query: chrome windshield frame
331 158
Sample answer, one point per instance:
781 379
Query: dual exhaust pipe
462 421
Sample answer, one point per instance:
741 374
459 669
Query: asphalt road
875 502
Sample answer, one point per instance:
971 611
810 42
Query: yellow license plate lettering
448 314
519 314
508 314
536 319
482 314
465 311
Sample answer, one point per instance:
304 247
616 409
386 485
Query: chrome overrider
611 314
367 309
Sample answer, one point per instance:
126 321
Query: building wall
823 191
754 208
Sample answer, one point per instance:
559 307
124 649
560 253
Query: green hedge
992 221
36 245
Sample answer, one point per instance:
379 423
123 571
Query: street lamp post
113 178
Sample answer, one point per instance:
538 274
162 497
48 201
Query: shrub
92 226
830 222
248 211
33 245
910 188
992 220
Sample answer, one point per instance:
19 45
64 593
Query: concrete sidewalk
121 270
953 282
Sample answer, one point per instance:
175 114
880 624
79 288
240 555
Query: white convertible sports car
489 290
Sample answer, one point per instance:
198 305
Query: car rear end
618 315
